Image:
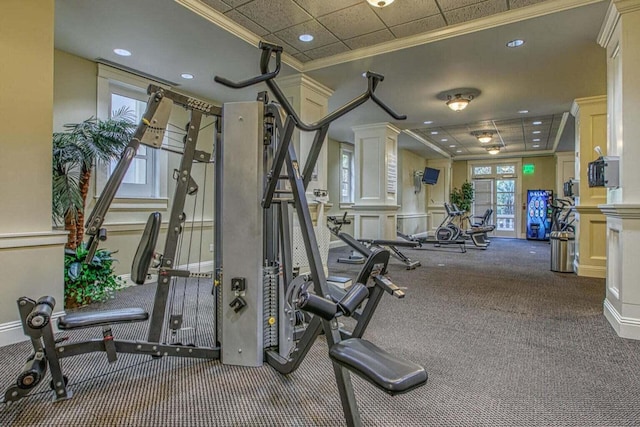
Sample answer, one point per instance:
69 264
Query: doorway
496 187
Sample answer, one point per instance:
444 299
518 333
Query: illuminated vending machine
539 214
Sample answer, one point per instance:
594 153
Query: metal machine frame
256 305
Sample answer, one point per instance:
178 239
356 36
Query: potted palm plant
75 152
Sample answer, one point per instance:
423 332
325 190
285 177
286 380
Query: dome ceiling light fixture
493 150
458 99
484 136
380 3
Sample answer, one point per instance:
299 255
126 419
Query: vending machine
539 214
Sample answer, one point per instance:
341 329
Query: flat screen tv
430 176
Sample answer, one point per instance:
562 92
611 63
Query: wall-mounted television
430 176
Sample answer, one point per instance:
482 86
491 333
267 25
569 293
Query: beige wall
459 173
412 215
30 253
74 89
26 31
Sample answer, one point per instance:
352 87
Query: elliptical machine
448 230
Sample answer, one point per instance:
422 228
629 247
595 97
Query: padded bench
382 369
101 318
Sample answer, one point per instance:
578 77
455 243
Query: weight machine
258 301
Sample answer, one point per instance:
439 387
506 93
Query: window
146 182
482 170
505 169
140 178
346 174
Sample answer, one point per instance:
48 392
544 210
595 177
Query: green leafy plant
87 282
75 152
463 196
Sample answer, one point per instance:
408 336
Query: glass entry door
505 208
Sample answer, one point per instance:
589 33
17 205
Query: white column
590 224
376 171
310 99
620 35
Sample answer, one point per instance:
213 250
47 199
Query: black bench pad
100 318
375 365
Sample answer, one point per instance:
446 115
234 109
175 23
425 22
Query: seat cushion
100 318
389 373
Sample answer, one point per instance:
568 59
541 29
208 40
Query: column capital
616 9
302 80
578 103
377 127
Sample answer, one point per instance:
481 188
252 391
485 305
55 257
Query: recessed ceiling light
444 140
536 132
452 146
537 123
536 145
428 122
536 139
305 38
523 111
122 52
515 43
364 74
458 151
435 132
186 76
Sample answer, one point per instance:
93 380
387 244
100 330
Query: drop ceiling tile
475 11
321 36
420 26
405 11
352 22
301 57
274 15
370 39
236 3
246 23
318 8
324 51
285 46
514 4
455 4
218 5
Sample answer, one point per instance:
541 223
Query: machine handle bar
268 77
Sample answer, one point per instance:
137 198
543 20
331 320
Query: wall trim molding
412 215
588 209
625 327
12 333
623 211
24 240
372 208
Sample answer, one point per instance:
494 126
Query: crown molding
232 27
616 9
581 102
505 155
509 17
563 123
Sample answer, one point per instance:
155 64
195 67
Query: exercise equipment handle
268 77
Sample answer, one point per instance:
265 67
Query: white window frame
154 195
347 149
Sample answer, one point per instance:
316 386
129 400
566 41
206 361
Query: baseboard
336 244
625 327
11 332
590 270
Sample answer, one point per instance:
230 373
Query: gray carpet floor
506 342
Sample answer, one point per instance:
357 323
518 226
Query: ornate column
376 171
620 35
